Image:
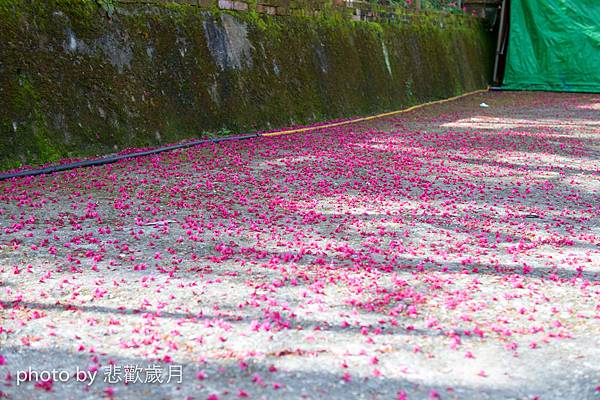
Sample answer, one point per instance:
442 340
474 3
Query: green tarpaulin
554 45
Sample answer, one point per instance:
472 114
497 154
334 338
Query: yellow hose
387 114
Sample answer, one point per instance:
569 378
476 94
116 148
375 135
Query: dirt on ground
448 253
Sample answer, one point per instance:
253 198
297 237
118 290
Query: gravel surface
448 253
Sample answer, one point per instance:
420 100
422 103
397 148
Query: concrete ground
449 253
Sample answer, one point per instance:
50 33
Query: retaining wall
74 82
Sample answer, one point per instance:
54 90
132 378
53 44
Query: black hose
119 157
115 158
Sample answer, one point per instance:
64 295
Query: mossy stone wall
75 83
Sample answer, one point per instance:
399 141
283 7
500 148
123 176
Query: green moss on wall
74 83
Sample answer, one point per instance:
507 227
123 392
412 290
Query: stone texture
181 70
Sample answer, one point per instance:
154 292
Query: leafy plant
108 6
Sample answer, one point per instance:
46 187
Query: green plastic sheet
554 45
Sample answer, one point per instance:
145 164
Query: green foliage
431 5
108 6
